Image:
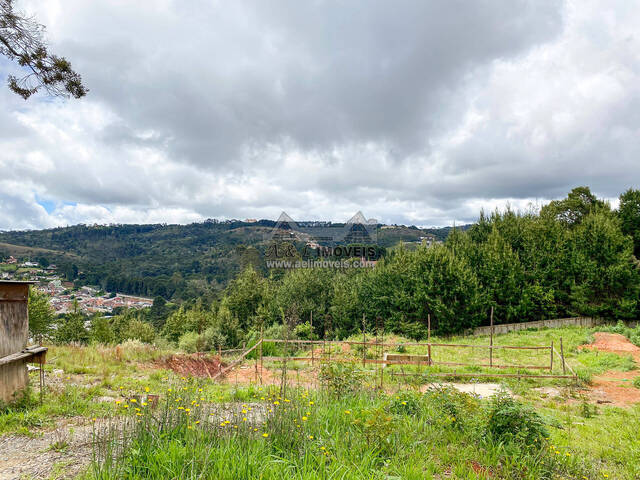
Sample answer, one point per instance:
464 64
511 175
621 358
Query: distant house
428 240
12 260
30 264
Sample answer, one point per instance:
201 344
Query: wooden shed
14 335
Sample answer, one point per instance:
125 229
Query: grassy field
344 428
586 363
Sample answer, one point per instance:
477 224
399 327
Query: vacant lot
133 411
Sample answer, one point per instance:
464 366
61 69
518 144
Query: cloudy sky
413 112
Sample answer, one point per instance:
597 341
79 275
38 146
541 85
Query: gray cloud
416 112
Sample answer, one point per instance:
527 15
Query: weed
511 421
341 379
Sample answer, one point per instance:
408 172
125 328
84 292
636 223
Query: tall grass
322 435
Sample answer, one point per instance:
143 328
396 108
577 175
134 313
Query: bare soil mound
614 387
195 365
615 343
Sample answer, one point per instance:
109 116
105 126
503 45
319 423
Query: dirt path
61 453
615 387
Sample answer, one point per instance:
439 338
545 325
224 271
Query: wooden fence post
564 367
551 363
491 341
364 340
312 345
261 340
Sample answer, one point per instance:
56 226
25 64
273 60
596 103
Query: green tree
244 295
310 289
41 315
71 327
579 203
410 285
101 330
629 214
606 275
177 324
139 330
158 313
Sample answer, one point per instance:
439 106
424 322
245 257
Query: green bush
453 405
101 330
341 379
633 334
190 342
304 331
71 328
405 403
511 421
377 428
139 330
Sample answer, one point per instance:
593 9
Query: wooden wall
14 333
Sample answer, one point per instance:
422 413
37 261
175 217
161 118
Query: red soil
613 386
196 365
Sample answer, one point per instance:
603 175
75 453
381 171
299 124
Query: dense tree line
176 262
573 257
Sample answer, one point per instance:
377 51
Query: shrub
134 350
213 338
101 331
511 421
454 405
139 330
189 342
304 331
341 379
71 328
405 403
377 427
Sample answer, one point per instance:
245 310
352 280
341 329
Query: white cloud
422 113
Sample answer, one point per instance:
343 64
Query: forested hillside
176 262
574 257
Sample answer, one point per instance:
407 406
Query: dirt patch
614 387
248 375
482 390
196 365
615 343
65 452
